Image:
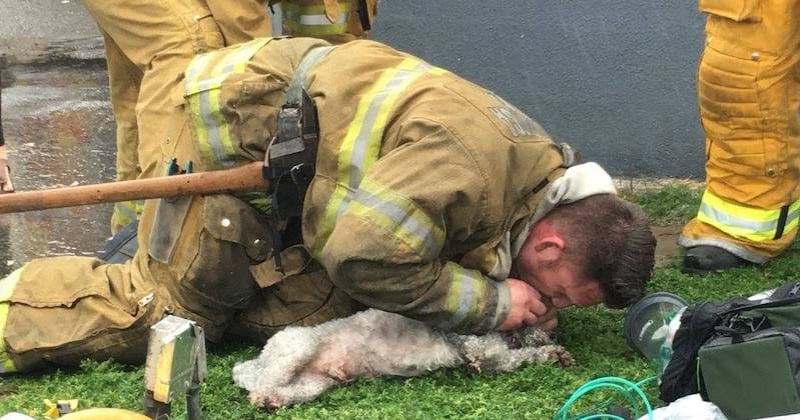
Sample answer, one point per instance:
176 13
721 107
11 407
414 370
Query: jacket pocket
252 112
66 286
739 137
220 238
62 302
294 295
737 10
203 30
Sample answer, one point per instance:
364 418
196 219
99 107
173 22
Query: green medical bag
742 354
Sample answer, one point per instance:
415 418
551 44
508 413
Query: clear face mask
651 324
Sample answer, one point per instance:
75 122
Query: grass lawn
593 335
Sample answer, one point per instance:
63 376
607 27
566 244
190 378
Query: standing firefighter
428 196
143 61
748 96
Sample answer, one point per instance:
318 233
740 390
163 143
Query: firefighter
748 97
415 191
144 59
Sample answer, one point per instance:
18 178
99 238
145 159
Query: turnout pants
148 45
748 97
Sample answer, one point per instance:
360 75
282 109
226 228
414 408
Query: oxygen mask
651 324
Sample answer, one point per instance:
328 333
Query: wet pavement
60 131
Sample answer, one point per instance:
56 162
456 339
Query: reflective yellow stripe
128 211
7 286
399 216
361 145
744 222
465 296
202 90
299 29
312 21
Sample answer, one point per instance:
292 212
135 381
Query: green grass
668 205
593 335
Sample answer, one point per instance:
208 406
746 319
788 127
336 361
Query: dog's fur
300 363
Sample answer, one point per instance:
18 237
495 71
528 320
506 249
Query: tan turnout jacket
422 177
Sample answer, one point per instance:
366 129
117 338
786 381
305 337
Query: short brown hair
611 239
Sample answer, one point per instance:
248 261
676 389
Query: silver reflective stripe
209 115
792 216
466 297
361 143
306 64
315 20
402 219
733 221
201 89
286 148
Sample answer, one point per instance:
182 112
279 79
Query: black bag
741 354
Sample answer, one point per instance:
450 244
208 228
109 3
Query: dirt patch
667 243
636 185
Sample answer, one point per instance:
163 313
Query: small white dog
300 363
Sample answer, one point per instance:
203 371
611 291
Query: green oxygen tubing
632 391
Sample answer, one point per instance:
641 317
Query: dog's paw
473 364
339 373
267 402
561 356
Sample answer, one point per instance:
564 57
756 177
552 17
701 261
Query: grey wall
614 78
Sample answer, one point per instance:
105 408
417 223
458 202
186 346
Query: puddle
59 129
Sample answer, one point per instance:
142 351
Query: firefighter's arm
388 248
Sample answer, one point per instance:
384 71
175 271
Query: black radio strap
292 152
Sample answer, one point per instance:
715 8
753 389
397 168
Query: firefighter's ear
545 242
550 248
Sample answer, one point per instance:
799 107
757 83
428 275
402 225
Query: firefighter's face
544 265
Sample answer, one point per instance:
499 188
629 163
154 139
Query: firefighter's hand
549 321
527 307
6 186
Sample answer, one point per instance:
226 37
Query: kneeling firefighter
390 138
